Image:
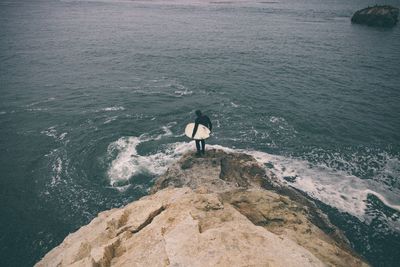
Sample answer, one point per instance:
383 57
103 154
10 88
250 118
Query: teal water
95 96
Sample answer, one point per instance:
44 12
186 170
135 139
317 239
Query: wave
57 168
116 108
183 92
57 157
37 109
110 119
129 163
347 193
41 102
52 132
234 105
338 189
58 161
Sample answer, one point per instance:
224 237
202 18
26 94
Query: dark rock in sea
380 16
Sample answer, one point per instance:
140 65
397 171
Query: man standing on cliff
203 120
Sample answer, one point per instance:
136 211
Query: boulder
209 211
380 16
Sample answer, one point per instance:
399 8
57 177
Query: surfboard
202 131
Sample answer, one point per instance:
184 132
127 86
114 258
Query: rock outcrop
209 211
380 16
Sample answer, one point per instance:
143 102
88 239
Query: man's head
198 113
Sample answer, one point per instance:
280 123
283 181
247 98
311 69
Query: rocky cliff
223 209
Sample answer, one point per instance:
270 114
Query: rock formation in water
219 210
381 16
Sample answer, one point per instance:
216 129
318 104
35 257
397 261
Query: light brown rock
177 227
218 216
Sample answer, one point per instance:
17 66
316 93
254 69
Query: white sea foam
52 132
338 189
37 109
62 136
183 92
274 119
234 105
110 119
56 158
129 163
116 108
57 169
41 101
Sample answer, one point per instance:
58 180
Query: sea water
95 95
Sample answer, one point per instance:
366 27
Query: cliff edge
222 209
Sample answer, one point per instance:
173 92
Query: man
203 120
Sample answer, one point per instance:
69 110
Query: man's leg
203 146
198 146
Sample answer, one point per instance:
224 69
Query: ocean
95 95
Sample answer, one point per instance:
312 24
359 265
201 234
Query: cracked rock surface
210 211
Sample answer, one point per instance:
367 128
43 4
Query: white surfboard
202 131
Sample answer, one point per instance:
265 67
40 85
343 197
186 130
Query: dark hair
198 113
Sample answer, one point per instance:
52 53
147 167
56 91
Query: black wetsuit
203 120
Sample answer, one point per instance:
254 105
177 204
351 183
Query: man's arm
209 123
196 125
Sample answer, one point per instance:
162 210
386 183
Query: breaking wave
338 189
116 108
128 163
